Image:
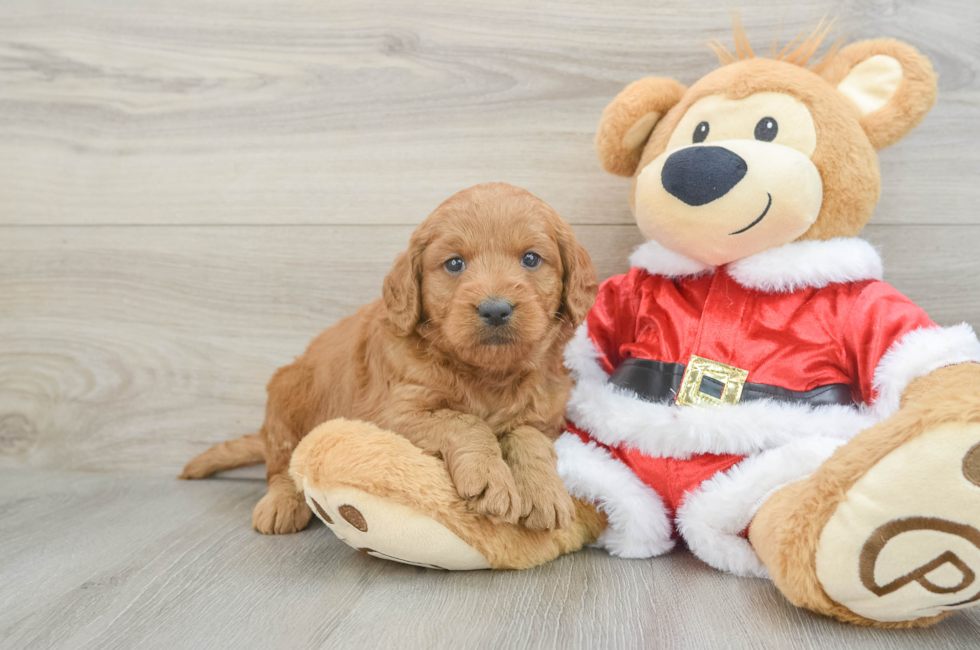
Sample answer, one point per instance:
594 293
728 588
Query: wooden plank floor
104 561
190 190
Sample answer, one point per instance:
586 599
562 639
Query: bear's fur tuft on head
798 52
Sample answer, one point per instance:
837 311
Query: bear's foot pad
391 531
905 542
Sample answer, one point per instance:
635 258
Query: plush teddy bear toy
750 386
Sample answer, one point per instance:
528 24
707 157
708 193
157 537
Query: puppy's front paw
487 485
281 512
545 503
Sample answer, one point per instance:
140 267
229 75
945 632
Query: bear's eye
455 265
701 132
766 129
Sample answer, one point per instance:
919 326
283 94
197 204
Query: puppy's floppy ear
628 121
892 84
402 291
579 281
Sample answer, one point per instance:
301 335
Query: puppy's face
491 285
500 273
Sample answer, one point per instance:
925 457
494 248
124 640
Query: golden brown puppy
463 356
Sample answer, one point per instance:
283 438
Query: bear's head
764 151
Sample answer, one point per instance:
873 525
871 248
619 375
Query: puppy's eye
455 265
701 132
766 129
531 260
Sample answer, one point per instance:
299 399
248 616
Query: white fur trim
615 416
638 522
711 519
786 268
582 358
808 264
916 355
657 260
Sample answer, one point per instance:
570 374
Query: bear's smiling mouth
761 217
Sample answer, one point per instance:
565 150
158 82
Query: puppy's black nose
495 312
699 175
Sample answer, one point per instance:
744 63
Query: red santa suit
802 317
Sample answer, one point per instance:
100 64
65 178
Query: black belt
658 381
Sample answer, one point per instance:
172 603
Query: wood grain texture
211 111
131 349
154 563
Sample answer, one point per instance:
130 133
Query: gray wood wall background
190 190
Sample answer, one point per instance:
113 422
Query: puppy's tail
245 451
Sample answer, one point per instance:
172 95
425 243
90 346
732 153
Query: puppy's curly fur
487 399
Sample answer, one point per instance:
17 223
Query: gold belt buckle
694 386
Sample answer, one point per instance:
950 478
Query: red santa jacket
798 317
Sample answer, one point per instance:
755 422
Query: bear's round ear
627 122
891 83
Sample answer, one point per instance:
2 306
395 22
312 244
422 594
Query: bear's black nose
699 175
495 312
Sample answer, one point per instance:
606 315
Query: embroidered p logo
872 550
904 544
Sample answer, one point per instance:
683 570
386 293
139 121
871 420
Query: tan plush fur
651 97
485 400
786 530
846 141
914 98
363 456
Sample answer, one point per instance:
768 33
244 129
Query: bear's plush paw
904 544
487 485
281 511
388 530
